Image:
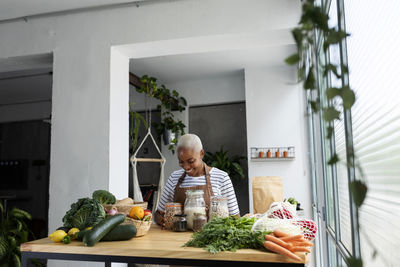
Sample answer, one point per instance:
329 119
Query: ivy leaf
354 262
293 59
329 132
330 67
310 81
298 37
314 106
330 114
334 37
332 92
334 159
348 97
358 190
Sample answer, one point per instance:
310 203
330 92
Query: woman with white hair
195 175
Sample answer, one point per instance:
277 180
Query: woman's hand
160 218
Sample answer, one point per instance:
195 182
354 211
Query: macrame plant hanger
137 194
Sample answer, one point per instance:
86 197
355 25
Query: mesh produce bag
282 216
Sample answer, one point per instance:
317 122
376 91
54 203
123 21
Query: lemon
57 236
72 232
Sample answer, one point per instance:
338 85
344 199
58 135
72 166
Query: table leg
24 260
107 264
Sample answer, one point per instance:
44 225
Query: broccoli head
104 197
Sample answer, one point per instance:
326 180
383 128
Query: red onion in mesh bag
309 228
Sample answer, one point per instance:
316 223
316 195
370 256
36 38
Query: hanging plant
169 101
314 19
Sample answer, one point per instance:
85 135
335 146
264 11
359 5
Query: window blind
373 55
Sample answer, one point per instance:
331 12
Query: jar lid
218 198
173 204
180 215
194 192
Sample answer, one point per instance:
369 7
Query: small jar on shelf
278 153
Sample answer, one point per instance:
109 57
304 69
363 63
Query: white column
119 125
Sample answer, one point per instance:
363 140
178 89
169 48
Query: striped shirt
220 182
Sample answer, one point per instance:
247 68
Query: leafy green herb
227 234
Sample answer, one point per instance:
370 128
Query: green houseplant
13 232
222 161
170 101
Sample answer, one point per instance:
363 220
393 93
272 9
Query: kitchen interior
65 130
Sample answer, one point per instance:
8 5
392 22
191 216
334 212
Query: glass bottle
180 223
172 209
218 207
199 220
194 203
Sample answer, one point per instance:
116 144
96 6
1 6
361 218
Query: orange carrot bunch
286 245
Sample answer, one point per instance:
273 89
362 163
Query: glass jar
218 207
194 203
180 223
171 209
199 220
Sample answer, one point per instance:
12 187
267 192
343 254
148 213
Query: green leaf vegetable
227 234
84 213
104 197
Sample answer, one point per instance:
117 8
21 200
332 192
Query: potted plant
230 165
13 232
169 128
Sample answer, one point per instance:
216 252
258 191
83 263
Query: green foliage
227 234
104 197
84 213
315 20
13 232
358 191
135 120
169 101
222 161
355 262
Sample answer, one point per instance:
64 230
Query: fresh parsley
228 234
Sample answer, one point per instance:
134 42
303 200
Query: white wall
275 117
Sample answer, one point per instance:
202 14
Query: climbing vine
340 99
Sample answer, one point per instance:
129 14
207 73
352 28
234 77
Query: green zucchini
120 233
101 229
79 235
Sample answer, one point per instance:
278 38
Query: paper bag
266 189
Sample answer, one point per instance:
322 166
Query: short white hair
190 141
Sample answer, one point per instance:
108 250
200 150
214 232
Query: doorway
224 126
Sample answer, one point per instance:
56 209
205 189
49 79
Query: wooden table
157 247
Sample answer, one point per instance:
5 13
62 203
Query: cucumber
101 229
120 233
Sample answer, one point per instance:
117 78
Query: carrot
280 250
300 249
278 233
302 244
277 241
291 238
